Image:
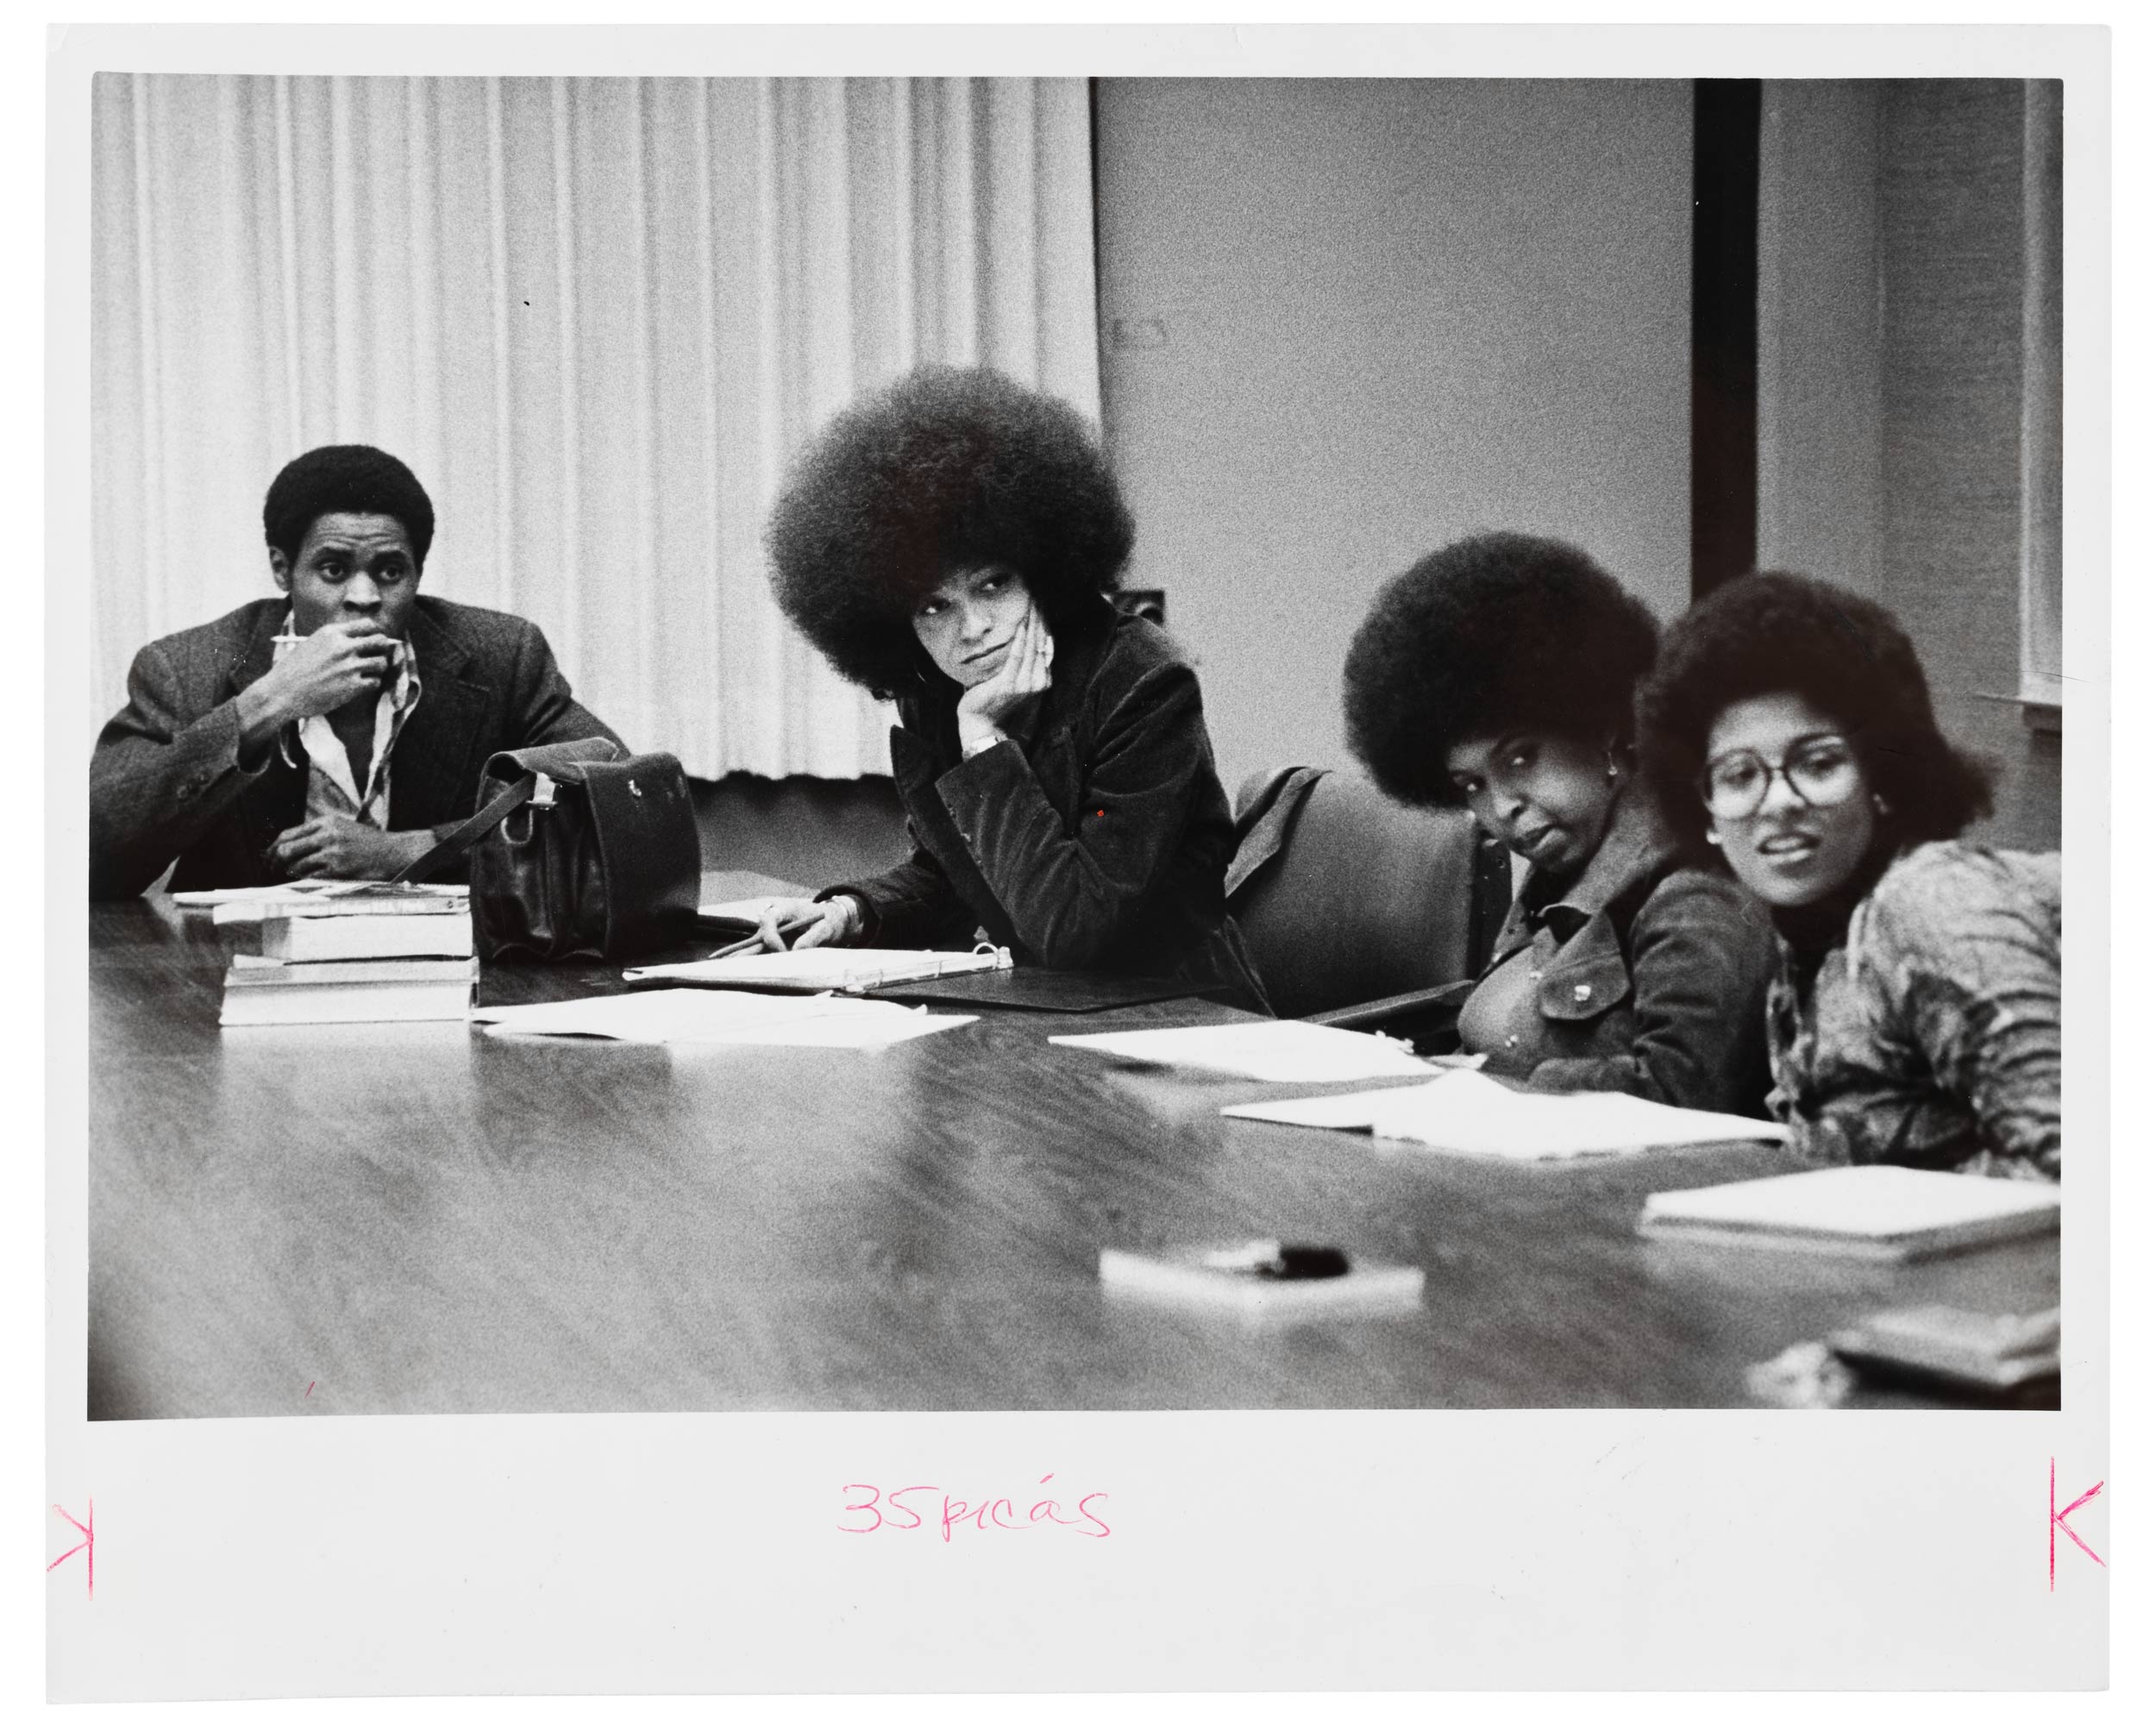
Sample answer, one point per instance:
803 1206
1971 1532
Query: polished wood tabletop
315 1219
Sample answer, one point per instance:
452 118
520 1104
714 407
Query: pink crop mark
2059 1522
88 1529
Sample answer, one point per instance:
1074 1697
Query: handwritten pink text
912 1507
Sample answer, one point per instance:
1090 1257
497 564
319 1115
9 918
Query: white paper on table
710 1015
1341 1111
1287 1051
1471 1113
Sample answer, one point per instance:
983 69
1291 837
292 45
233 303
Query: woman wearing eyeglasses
1916 1016
1499 673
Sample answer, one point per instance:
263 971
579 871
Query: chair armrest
1425 1017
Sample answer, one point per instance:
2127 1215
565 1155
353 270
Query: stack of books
371 955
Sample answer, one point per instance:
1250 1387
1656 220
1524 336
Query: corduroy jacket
1096 837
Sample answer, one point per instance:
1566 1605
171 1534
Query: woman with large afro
1499 673
1787 728
950 542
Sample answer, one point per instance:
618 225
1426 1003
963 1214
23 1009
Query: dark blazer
1643 976
1095 838
165 779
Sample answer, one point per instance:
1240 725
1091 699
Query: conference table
427 1219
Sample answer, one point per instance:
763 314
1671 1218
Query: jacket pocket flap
1584 990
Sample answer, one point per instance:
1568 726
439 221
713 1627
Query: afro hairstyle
1771 633
1499 632
944 469
345 479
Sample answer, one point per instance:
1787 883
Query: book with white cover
1875 1211
246 971
380 991
336 897
1995 1351
327 898
1475 1115
317 937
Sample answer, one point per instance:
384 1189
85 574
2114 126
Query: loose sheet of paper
1284 1049
711 1015
1466 1111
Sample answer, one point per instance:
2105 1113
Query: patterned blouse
1930 1037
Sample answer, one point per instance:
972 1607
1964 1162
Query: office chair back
1344 896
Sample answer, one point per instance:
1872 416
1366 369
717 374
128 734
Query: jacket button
184 793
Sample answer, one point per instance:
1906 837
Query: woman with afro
950 542
1499 673
1915 1018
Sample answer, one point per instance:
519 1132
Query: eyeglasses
1821 771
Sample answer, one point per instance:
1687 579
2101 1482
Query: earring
1610 769
1713 836
1879 803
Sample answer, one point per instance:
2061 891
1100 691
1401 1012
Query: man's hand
1023 674
338 663
335 847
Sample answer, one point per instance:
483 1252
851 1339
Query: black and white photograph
1362 741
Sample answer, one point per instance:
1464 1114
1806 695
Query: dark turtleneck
1813 931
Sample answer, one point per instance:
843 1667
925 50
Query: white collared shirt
330 789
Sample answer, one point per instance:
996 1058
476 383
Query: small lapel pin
1581 991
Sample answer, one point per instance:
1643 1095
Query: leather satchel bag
578 851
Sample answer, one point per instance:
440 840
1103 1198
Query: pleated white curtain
595 315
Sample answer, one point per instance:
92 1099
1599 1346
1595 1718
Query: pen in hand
787 931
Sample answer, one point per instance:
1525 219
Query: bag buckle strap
543 792
450 849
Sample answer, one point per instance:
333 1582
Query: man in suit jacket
336 731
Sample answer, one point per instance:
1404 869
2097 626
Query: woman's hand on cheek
1024 674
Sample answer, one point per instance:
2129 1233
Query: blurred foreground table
423 1219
